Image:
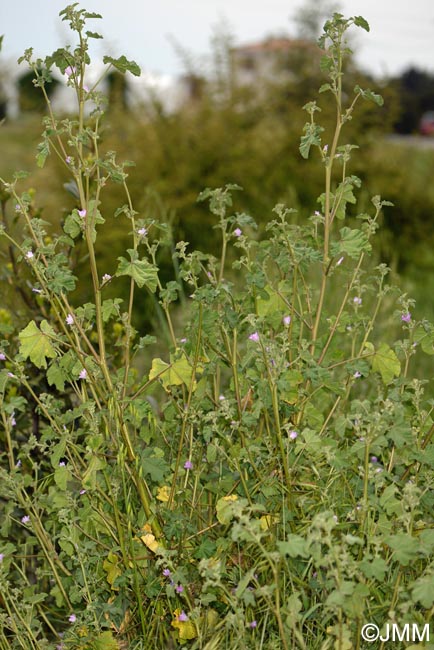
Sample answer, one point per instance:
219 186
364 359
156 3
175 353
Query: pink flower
357 374
68 160
69 320
238 232
82 213
188 464
287 321
357 300
142 232
25 519
72 618
167 573
2 356
406 318
179 589
293 435
254 337
83 374
253 624
29 255
1 557
106 277
183 616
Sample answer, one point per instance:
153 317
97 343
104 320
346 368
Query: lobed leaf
123 65
35 343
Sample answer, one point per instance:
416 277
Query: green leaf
326 63
58 275
423 591
353 242
43 151
153 463
93 35
61 477
312 137
35 343
142 272
344 194
359 21
61 58
91 14
73 225
424 335
404 546
369 95
374 570
384 361
295 546
123 65
89 477
57 452
110 308
55 376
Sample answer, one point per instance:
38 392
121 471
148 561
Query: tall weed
265 482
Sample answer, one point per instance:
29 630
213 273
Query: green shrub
266 483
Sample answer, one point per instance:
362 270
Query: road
418 141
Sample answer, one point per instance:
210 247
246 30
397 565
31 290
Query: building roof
274 44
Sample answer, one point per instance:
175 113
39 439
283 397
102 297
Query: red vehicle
426 124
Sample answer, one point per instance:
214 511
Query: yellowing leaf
212 618
150 541
104 641
275 303
225 511
266 521
186 629
111 567
384 361
163 493
36 344
178 372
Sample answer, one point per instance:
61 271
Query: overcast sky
402 31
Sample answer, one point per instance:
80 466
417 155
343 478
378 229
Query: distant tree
30 98
117 90
311 16
415 90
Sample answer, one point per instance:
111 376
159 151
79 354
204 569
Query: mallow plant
257 472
